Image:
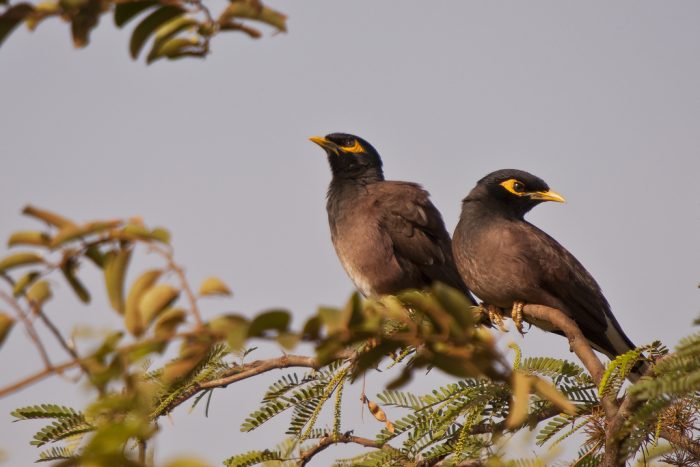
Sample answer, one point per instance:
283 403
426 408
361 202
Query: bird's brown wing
417 231
562 276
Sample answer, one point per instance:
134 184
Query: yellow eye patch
517 188
514 186
355 148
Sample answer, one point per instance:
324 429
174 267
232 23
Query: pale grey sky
601 99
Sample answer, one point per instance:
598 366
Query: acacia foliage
174 28
165 354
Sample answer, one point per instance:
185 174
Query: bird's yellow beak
547 196
324 143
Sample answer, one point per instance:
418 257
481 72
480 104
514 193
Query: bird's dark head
351 157
513 191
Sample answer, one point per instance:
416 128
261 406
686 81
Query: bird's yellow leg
494 314
517 315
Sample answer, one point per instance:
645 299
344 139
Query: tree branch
248 370
679 439
579 344
36 377
615 415
54 330
29 328
57 369
330 440
583 350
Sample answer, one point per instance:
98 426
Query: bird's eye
352 146
518 187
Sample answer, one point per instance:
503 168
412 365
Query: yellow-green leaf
155 300
12 16
39 292
248 10
20 259
149 24
312 328
47 216
74 232
24 281
167 323
167 32
288 340
137 231
331 318
69 273
521 400
124 12
187 462
95 255
6 323
455 303
547 391
143 349
178 47
42 10
191 355
273 319
161 234
234 327
116 263
213 286
27 237
84 19
133 319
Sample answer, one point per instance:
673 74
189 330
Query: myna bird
508 262
388 235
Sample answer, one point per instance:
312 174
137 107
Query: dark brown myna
388 235
509 262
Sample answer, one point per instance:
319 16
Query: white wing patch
619 342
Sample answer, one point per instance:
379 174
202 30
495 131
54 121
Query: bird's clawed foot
494 314
517 315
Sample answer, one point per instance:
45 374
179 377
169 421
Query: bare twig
54 330
330 440
248 370
58 369
677 438
36 377
29 327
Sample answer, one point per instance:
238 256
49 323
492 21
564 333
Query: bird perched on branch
387 234
509 262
